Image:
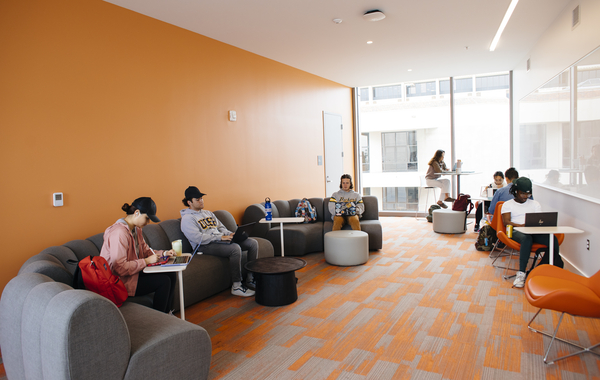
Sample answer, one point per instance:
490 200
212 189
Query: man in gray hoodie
346 205
202 227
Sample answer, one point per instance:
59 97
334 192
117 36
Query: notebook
240 234
541 219
181 260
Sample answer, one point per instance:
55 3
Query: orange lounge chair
553 288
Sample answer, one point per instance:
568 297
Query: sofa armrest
158 338
371 208
254 213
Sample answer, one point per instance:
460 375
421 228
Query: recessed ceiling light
374 15
369 42
409 69
337 20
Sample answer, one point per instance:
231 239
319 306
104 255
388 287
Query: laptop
541 219
342 208
240 234
181 260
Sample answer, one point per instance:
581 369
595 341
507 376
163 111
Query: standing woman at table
128 254
513 213
436 166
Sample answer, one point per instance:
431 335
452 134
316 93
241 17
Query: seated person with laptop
202 227
346 205
513 213
483 207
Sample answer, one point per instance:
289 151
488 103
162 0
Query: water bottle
486 242
268 211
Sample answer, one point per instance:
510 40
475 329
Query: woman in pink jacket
128 254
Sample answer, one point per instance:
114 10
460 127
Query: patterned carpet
427 306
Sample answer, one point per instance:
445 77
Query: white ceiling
428 36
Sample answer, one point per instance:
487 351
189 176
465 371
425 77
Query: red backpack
93 273
463 203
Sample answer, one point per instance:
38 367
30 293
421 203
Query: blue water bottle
268 210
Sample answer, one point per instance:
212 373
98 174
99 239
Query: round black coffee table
275 279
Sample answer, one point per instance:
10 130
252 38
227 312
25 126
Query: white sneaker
241 291
520 280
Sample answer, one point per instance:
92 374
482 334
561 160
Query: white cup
177 246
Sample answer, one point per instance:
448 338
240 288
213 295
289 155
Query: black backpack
486 233
430 216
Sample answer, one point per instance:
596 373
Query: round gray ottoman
346 247
449 221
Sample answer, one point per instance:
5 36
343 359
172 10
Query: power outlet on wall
587 245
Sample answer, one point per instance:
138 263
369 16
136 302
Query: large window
399 151
420 89
364 152
364 94
398 138
400 198
387 92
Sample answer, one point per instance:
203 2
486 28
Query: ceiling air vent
576 18
528 64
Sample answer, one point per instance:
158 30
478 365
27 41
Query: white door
334 153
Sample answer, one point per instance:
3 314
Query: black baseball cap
193 192
523 184
146 206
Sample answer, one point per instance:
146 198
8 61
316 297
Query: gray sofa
50 330
302 238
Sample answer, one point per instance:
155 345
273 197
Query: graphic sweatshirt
201 226
351 198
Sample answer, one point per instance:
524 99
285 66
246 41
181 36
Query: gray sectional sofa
50 330
302 238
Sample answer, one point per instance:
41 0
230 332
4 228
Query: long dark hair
437 157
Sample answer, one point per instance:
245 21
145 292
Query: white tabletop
283 220
549 230
170 268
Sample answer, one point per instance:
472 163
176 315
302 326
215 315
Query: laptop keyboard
180 260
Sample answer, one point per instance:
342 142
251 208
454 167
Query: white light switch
57 199
232 116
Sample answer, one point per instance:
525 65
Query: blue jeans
527 242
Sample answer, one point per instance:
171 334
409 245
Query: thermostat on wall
57 199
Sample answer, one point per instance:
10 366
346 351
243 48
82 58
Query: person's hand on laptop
226 237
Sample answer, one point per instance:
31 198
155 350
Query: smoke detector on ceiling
374 15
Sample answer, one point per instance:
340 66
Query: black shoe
476 228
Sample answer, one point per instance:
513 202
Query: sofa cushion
172 228
82 248
56 271
156 237
62 253
98 240
299 239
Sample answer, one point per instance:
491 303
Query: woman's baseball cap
146 206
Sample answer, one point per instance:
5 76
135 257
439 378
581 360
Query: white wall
557 49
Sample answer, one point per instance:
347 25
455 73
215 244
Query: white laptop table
292 219
176 268
550 231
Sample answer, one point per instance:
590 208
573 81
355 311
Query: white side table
281 221
179 270
550 231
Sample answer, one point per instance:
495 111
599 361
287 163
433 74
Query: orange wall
106 105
